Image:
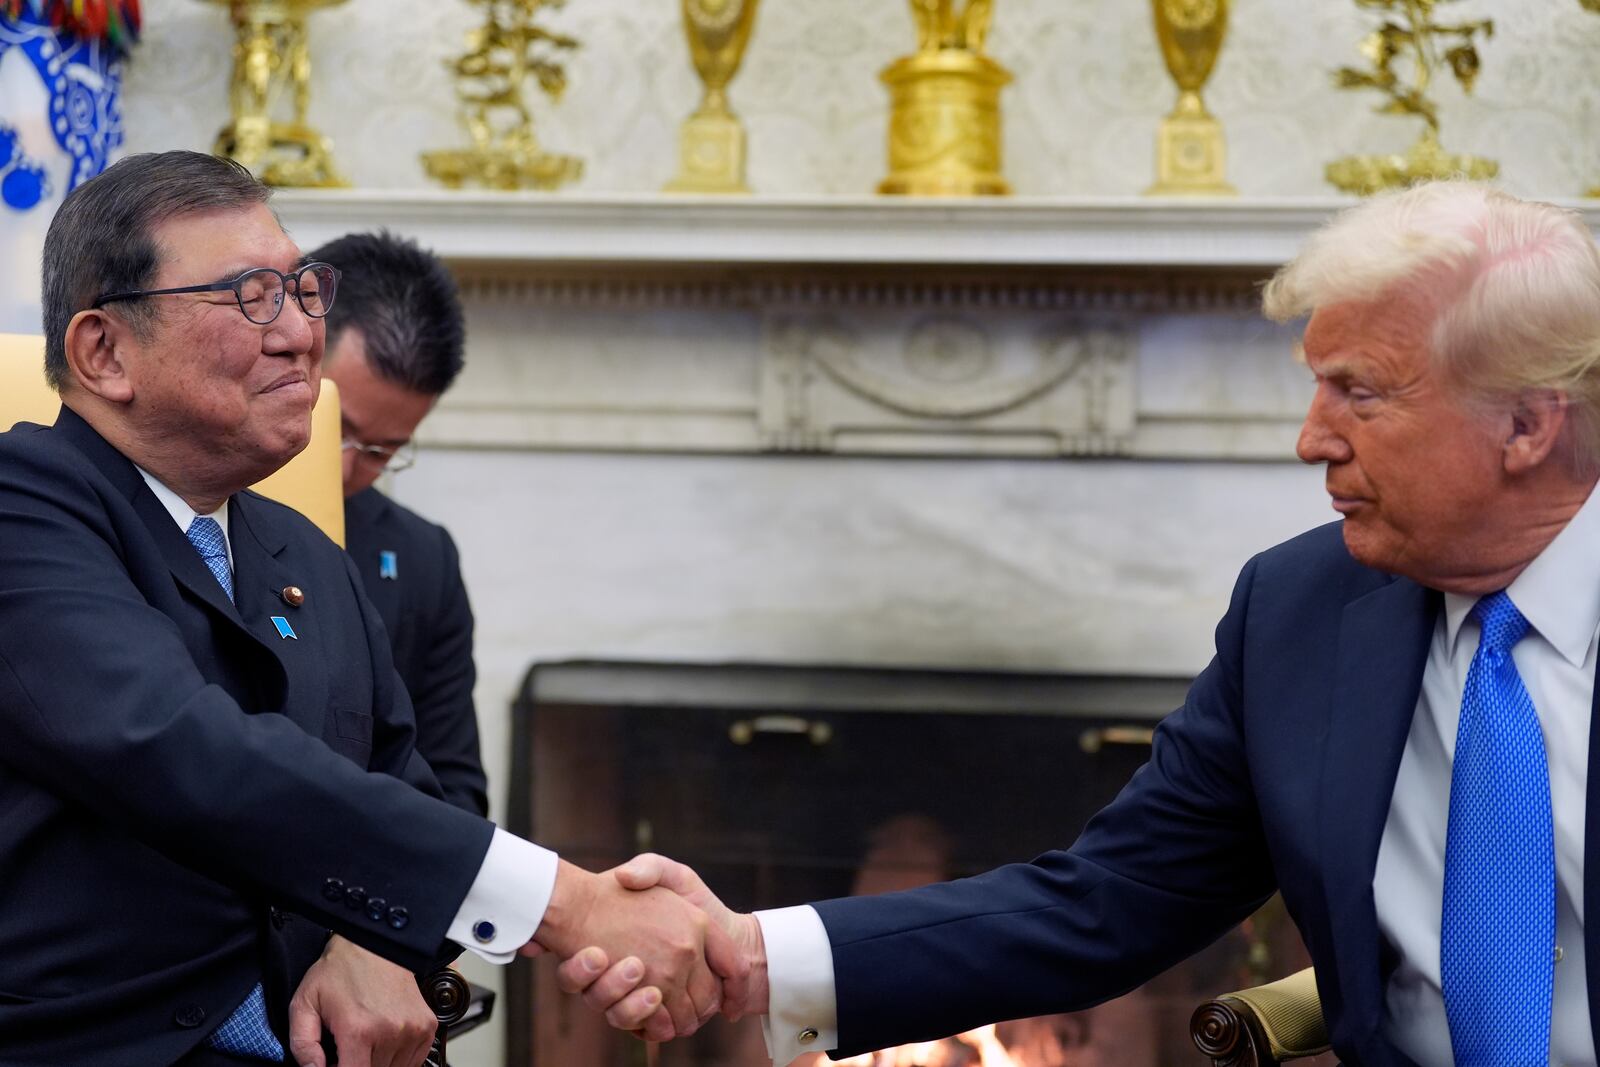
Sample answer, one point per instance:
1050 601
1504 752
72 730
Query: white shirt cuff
802 1010
507 900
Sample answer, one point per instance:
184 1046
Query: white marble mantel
857 326
533 228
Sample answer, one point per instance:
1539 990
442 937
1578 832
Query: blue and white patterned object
1498 925
205 534
82 80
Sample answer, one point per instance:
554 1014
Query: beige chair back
312 483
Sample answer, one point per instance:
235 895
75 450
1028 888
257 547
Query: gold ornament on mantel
711 144
491 76
1412 36
1191 156
944 123
272 59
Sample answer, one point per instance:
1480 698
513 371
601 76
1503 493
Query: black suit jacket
188 800
1275 774
424 608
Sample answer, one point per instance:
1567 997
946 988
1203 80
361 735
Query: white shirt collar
1558 593
181 512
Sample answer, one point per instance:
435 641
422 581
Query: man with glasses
216 836
394 346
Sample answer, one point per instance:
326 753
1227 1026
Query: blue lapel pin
285 631
388 565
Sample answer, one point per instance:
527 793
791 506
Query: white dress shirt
1559 594
507 899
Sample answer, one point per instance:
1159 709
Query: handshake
651 948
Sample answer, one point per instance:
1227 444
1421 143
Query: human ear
94 355
1537 419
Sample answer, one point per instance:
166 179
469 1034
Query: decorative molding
572 229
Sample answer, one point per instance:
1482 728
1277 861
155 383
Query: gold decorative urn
944 123
1191 156
711 144
271 62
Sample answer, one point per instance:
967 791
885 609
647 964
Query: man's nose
1319 442
292 332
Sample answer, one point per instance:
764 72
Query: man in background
394 345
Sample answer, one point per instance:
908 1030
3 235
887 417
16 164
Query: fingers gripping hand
734 947
615 992
372 1007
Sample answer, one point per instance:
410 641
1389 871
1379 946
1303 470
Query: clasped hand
649 946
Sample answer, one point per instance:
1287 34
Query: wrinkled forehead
207 246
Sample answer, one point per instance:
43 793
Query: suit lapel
260 575
1383 648
370 533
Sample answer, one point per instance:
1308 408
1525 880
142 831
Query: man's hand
617 990
682 957
373 1008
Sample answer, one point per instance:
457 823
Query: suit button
377 907
276 917
189 1016
398 917
355 897
333 890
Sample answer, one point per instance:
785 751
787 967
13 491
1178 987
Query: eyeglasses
260 290
393 460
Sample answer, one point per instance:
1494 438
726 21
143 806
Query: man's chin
1367 547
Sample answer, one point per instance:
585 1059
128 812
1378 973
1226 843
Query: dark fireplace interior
787 784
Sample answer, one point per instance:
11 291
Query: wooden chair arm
1264 1026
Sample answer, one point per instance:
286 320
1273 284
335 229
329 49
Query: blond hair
1514 285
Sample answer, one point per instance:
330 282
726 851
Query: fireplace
782 784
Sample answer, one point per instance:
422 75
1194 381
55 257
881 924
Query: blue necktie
205 534
1498 926
245 1032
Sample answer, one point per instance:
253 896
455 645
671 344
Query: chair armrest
448 997
1263 1026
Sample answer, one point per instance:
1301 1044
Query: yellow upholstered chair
1264 1026
312 483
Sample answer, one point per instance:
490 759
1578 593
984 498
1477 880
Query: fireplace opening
784 784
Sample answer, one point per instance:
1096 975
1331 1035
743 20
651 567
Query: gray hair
101 242
1514 286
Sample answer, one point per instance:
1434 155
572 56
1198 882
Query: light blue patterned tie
1498 926
205 534
245 1032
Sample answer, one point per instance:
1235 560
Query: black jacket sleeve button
355 897
398 917
333 890
377 907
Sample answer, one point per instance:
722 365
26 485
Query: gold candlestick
944 124
272 59
711 144
1191 155
1416 39
502 54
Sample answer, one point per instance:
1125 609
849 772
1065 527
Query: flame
991 1052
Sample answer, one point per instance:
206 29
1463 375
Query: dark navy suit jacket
424 607
1276 774
189 801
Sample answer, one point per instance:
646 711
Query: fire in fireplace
787 784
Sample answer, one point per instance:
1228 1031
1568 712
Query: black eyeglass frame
236 285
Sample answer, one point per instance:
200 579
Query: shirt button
806 1036
1559 954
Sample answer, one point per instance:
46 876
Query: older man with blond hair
1394 732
